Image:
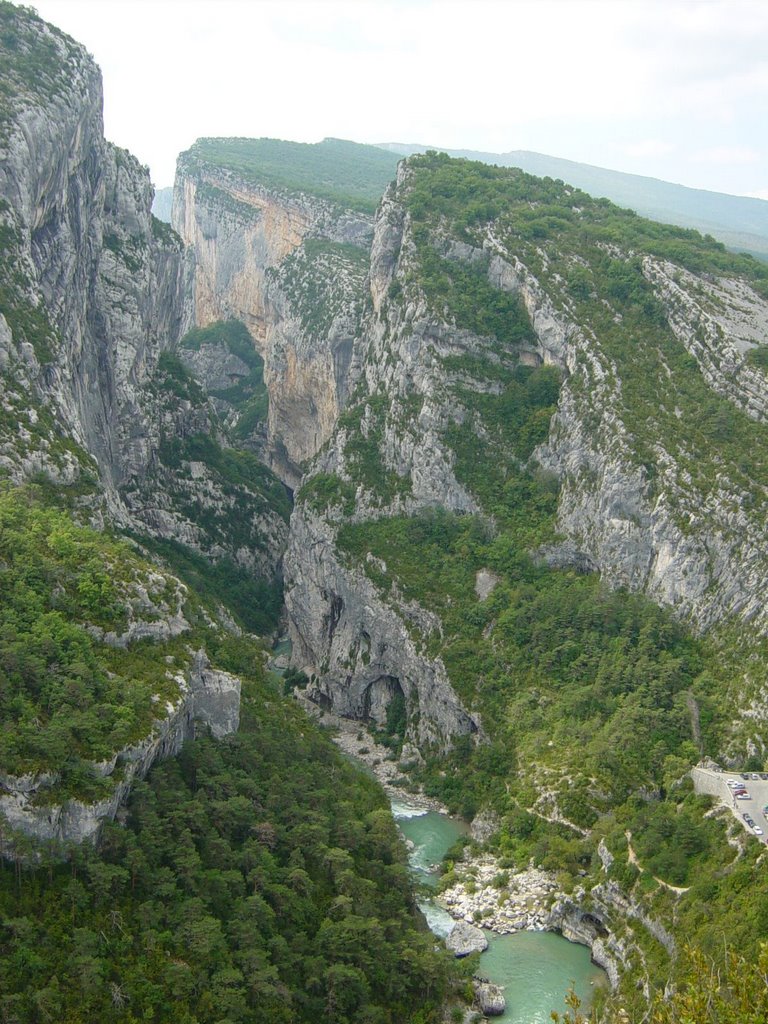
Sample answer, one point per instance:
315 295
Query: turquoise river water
535 968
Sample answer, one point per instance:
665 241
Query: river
535 968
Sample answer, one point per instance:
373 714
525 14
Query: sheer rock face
700 550
115 285
359 648
206 696
112 289
97 294
243 237
696 546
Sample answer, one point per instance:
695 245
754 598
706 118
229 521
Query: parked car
764 776
757 830
743 796
745 775
733 783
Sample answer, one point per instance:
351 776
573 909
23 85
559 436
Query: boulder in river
490 998
465 939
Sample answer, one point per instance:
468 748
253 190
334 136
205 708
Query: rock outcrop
465 939
489 997
358 648
30 804
90 259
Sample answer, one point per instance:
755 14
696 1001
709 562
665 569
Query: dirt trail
632 859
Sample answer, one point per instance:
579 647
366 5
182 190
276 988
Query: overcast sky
676 89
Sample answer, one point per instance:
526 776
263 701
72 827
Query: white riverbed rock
465 939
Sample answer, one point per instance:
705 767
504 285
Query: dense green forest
66 697
347 173
257 879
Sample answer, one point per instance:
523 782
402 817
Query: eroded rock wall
257 252
207 697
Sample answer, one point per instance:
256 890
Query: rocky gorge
498 446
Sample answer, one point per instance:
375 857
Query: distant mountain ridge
740 222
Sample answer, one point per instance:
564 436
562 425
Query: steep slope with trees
558 419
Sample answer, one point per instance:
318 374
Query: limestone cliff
290 266
97 411
32 805
662 381
95 297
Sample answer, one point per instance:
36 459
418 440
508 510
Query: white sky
676 89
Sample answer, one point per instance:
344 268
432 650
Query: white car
733 783
757 830
743 796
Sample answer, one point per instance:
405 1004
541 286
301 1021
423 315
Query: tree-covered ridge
348 173
465 196
258 879
66 697
589 255
567 676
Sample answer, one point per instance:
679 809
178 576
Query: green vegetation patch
563 671
173 378
232 334
461 292
129 249
65 698
38 62
258 880
323 279
235 469
323 491
363 448
255 603
248 395
758 357
347 173
494 443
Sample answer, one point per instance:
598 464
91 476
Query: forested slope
255 879
552 476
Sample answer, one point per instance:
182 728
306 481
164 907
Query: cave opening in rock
385 705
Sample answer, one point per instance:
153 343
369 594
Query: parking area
714 783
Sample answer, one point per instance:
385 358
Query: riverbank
503 901
507 902
355 741
531 925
